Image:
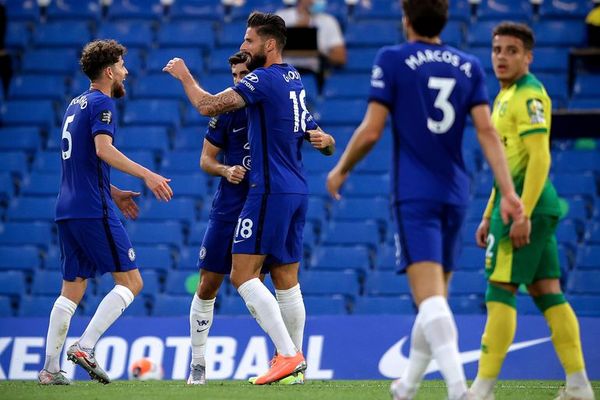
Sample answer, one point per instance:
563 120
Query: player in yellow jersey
524 252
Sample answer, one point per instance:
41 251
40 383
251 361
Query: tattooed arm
206 103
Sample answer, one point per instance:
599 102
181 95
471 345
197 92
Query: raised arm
211 165
206 103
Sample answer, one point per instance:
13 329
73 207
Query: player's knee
543 287
207 290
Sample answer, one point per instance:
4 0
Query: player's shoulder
530 85
221 120
465 56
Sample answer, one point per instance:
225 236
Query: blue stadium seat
361 60
592 233
12 283
386 283
381 10
180 161
188 256
104 283
152 112
578 208
341 258
470 304
218 82
151 283
182 209
161 86
352 233
556 85
575 184
7 187
567 232
317 210
310 237
316 185
367 33
331 305
467 282
231 35
135 10
67 10
386 257
563 9
22 257
559 33
187 34
144 157
193 57
15 162
22 138
193 185
383 305
328 282
585 305
124 181
231 305
453 33
497 10
471 258
588 257
191 137
196 233
153 257
36 306
315 162
176 282
41 184
167 306
584 104
347 85
58 34
480 34
550 59
584 282
31 208
191 116
38 87
367 185
526 305
376 162
46 283
79 83
587 86
476 209
52 259
576 161
197 10
362 208
340 112
152 138
217 62
152 233
31 112
18 35
6 309
129 33
22 11
34 233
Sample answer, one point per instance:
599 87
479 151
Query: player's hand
483 230
159 185
319 139
177 68
520 232
335 180
511 208
235 174
124 200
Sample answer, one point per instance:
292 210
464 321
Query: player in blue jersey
428 89
273 217
91 237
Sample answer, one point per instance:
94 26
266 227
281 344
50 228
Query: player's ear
108 72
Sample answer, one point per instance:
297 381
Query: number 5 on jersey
243 229
66 135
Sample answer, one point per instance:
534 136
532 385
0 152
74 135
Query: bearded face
257 60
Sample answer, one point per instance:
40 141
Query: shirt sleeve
479 95
216 133
103 117
255 86
382 79
532 112
329 34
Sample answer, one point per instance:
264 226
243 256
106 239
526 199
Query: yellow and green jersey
520 110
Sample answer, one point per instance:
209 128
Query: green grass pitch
234 390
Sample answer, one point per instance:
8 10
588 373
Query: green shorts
538 260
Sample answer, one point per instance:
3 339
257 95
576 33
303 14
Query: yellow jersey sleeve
532 108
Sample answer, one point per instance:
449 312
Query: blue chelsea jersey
429 90
229 132
85 178
277 122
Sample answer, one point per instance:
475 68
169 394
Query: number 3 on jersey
66 135
445 86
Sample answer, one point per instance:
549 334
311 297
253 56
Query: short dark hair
98 55
427 17
238 58
270 25
515 29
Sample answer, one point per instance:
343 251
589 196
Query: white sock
110 308
293 312
60 319
483 387
578 379
201 318
418 361
440 330
264 309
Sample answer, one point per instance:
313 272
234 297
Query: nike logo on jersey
394 362
238 129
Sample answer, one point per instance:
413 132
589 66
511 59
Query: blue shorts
215 252
90 246
428 230
272 224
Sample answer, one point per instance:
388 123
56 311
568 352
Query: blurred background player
273 217
524 252
91 236
429 89
228 133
